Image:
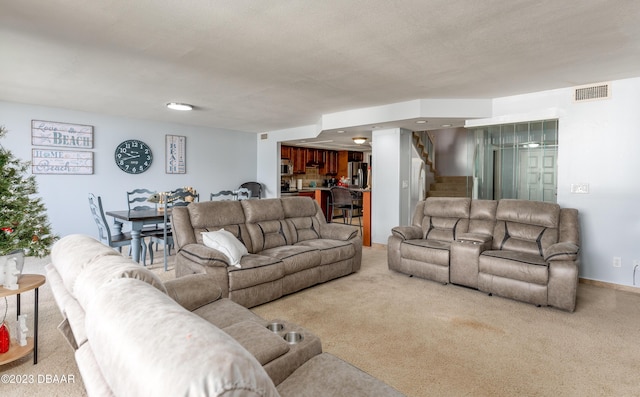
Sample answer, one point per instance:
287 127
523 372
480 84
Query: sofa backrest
265 224
168 351
482 216
443 218
526 226
301 215
83 264
190 222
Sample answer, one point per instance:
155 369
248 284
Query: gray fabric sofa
290 246
519 249
135 336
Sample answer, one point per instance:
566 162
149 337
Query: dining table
136 219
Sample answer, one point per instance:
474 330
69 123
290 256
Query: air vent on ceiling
592 92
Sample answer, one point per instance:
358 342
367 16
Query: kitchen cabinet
330 163
299 160
314 157
286 152
356 156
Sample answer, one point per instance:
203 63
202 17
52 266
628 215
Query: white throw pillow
226 243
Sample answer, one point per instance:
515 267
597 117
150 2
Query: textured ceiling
267 65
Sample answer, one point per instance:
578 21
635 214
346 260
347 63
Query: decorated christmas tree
23 216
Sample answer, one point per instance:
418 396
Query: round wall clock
133 156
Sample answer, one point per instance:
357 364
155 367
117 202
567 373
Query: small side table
26 282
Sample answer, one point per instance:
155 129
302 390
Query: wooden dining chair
116 241
242 194
342 200
254 187
222 195
178 197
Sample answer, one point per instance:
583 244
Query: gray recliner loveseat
519 249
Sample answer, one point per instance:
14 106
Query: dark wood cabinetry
286 152
299 158
330 163
315 157
355 156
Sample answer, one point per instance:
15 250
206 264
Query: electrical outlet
617 261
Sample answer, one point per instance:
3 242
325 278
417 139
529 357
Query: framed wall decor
52 133
175 154
64 162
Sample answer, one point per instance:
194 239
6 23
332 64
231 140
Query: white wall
216 160
598 145
391 165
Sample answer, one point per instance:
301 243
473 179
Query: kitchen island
323 195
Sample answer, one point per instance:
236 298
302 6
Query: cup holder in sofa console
275 327
293 337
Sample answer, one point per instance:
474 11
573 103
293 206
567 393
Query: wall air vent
592 92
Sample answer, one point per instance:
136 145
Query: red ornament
5 340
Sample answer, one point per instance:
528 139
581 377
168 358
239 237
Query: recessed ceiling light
179 106
446 125
340 131
421 121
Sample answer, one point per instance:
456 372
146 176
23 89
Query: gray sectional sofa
519 249
133 335
289 244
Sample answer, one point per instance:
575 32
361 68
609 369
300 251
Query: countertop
313 189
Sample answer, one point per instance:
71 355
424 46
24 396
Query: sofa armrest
561 252
338 231
205 256
407 232
194 291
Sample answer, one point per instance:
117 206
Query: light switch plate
580 188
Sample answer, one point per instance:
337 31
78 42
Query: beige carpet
423 338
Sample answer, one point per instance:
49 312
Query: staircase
424 144
444 186
451 186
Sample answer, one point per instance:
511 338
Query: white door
538 179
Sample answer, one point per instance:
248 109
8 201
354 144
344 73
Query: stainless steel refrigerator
358 174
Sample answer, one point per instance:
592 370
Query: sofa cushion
295 257
304 228
254 270
268 234
300 213
521 237
331 251
445 217
513 265
183 355
215 215
226 243
297 207
327 375
72 253
106 269
262 210
529 212
428 251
